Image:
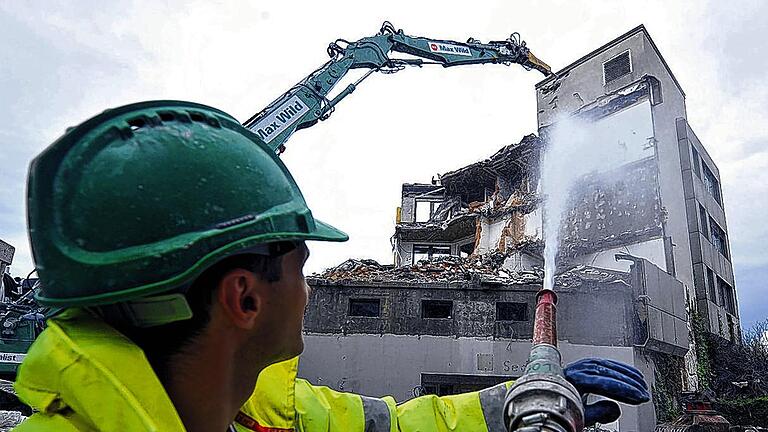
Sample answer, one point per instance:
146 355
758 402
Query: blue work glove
607 378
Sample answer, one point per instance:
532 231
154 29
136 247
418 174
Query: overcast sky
61 62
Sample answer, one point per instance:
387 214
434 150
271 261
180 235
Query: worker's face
288 300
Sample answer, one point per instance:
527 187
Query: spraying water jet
542 399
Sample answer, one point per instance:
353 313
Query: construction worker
170 240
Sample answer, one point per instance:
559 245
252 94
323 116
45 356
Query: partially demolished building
643 245
489 206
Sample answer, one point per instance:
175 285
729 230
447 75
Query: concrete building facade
629 78
451 324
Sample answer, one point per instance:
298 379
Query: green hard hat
140 199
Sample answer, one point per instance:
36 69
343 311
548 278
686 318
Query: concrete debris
7 387
484 207
576 276
554 84
497 205
459 225
10 419
488 269
511 163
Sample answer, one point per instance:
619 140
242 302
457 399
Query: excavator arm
306 103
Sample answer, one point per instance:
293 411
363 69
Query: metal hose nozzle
542 399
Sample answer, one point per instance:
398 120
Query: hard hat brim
326 232
321 232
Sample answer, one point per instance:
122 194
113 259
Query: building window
704 226
466 250
426 209
732 329
726 295
717 236
711 184
436 308
711 285
511 311
427 252
365 307
695 161
617 67
488 194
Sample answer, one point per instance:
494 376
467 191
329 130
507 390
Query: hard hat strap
149 311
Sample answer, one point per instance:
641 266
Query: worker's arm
320 409
283 403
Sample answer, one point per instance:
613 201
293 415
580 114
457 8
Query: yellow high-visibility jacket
83 375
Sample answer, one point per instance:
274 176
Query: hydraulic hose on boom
306 103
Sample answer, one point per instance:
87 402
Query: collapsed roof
511 162
492 187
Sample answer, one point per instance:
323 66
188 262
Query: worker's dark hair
160 343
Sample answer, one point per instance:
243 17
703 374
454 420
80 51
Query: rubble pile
10 419
486 268
577 275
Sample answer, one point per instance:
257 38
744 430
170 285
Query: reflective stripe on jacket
282 403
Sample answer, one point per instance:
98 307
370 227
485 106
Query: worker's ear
240 296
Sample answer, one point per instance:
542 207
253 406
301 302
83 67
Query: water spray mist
542 399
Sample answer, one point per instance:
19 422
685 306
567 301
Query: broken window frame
419 215
726 292
433 198
488 194
711 184
522 307
432 251
436 303
695 161
711 284
467 249
718 238
704 221
364 302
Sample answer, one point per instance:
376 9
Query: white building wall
652 250
391 365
